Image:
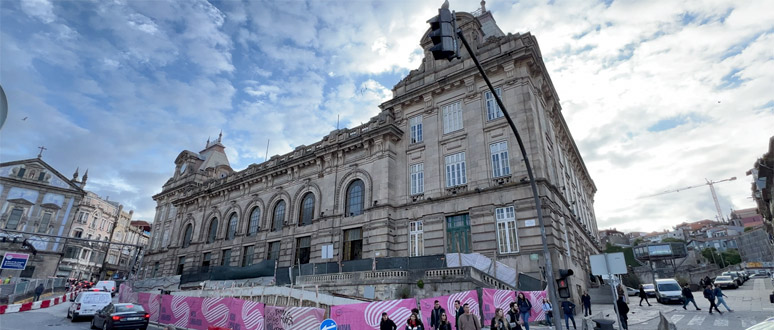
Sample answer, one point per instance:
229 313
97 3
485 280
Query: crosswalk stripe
721 322
676 318
747 323
697 320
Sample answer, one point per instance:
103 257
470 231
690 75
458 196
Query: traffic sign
328 324
17 261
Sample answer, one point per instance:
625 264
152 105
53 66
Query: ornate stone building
436 171
36 200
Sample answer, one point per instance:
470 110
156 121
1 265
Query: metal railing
24 287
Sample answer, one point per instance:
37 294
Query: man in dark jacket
39 291
623 309
435 315
569 313
710 295
386 323
688 297
458 310
513 316
586 300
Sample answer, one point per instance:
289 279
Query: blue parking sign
328 325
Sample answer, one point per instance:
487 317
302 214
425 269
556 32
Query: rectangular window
274 251
458 233
43 227
416 239
416 129
22 171
155 269
455 170
247 255
71 252
506 230
417 173
225 258
180 265
41 176
500 164
14 218
353 244
452 117
206 257
303 250
492 108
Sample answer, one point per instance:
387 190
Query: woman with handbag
548 310
525 309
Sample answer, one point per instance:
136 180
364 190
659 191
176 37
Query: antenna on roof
337 121
266 157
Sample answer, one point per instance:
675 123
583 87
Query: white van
668 290
88 303
109 286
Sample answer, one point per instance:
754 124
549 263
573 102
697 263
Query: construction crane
711 185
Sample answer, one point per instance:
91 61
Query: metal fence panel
529 283
326 268
283 276
427 262
357 265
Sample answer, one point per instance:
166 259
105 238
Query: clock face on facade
183 168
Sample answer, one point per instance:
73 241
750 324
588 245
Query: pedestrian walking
435 315
710 295
623 310
499 322
525 309
414 323
586 300
643 295
513 316
719 295
39 291
468 321
569 313
458 311
548 310
386 323
688 297
445 324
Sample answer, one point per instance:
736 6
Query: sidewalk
43 303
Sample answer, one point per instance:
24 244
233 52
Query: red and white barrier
15 308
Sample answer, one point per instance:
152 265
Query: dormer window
183 168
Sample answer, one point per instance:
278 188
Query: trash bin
603 324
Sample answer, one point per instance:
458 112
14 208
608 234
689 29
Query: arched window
355 198
78 233
232 226
255 220
279 216
213 230
187 236
307 210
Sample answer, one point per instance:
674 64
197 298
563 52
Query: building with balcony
436 171
37 200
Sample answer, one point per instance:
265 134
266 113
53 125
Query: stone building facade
436 171
36 200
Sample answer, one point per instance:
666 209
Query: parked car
109 286
88 303
121 316
632 291
767 324
650 290
668 290
745 274
726 282
759 276
734 276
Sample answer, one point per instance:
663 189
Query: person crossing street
710 295
688 297
643 295
719 295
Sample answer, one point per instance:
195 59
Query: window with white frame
416 239
455 170
492 108
416 129
452 117
507 237
500 165
417 173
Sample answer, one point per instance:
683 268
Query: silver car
726 282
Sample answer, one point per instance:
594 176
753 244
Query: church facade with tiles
436 171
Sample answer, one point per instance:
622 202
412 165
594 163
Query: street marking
676 318
697 320
721 322
747 323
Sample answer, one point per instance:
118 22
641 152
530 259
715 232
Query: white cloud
40 9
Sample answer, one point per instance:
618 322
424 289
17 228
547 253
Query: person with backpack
710 295
569 313
525 309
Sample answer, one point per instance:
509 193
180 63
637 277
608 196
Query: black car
121 316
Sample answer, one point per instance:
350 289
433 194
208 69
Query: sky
658 95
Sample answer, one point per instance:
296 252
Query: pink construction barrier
491 299
368 315
294 318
